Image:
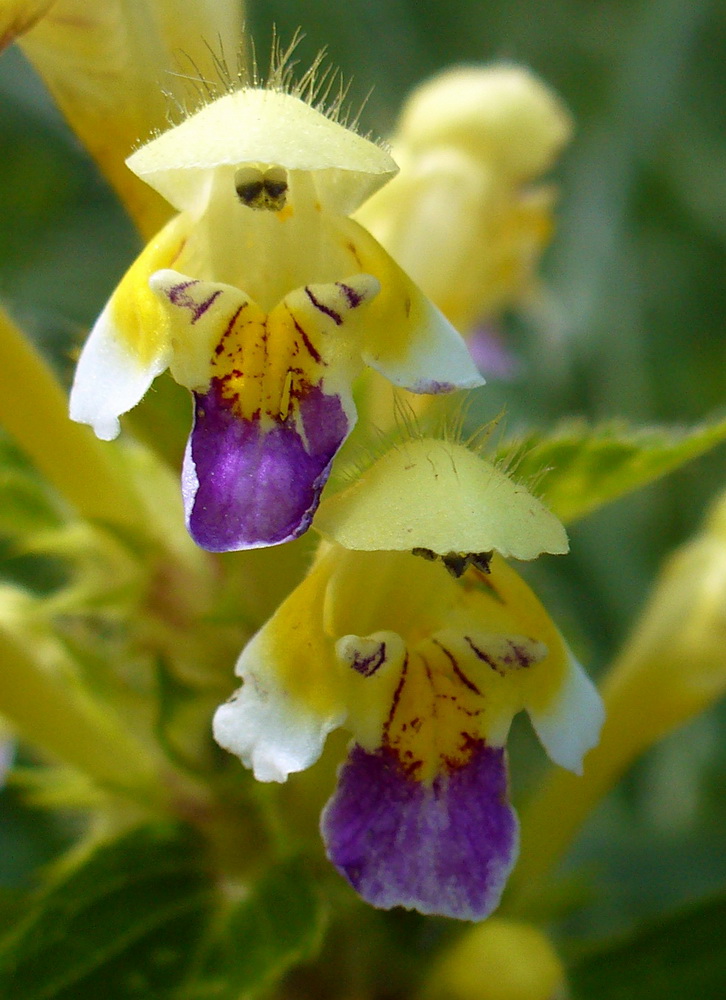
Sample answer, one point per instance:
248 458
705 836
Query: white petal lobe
109 379
269 733
571 725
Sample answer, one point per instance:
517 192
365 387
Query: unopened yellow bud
467 216
676 655
501 114
499 960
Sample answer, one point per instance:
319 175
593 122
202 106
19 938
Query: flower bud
502 114
499 960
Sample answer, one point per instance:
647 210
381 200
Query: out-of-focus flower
426 671
275 302
467 216
498 960
112 66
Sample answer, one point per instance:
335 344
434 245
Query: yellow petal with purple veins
273 402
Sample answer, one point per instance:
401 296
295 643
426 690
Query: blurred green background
634 329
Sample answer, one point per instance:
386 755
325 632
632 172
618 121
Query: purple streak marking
367 665
326 310
352 297
179 296
446 847
244 487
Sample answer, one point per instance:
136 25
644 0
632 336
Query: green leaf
682 956
124 924
278 925
26 503
13 906
579 468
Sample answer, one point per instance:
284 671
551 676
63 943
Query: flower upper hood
256 126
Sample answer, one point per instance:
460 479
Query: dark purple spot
443 847
367 665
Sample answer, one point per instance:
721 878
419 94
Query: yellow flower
467 216
426 669
265 300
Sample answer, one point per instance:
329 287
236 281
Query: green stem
53 714
34 410
670 669
552 819
640 711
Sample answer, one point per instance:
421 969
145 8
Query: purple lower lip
248 483
443 847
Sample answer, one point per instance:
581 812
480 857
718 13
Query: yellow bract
441 496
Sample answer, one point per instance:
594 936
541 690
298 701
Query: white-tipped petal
109 378
290 699
436 347
571 724
129 344
270 733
